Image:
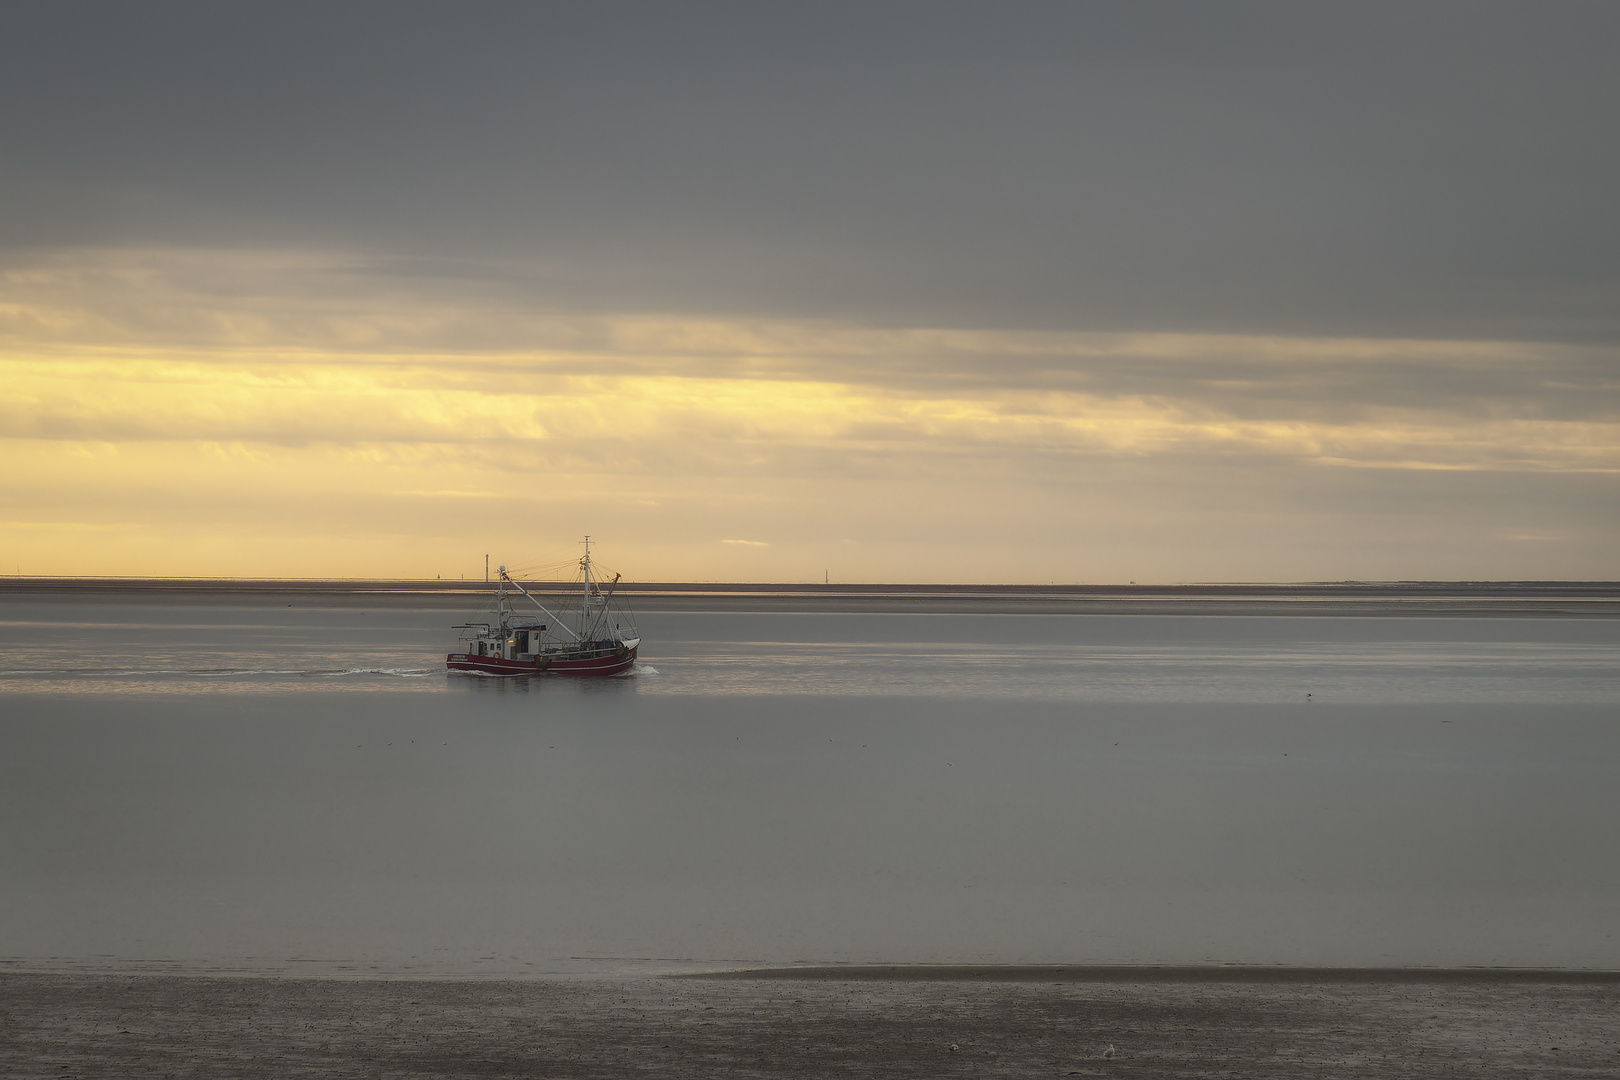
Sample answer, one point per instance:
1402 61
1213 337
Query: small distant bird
1108 1053
954 1048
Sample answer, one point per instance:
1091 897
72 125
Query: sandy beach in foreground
822 1023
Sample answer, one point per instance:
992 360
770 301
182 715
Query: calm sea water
208 784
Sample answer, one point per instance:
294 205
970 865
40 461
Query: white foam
402 673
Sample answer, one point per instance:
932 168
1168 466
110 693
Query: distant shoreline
1439 599
1132 974
1337 590
1152 973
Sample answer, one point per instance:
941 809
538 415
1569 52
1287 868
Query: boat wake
210 673
399 673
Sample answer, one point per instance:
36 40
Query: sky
1018 292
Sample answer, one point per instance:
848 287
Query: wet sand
825 1023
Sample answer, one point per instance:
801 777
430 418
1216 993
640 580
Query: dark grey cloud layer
1429 169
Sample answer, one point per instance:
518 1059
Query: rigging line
550 572
550 564
557 557
601 619
544 562
628 612
541 564
543 607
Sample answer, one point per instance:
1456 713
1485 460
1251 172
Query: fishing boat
597 639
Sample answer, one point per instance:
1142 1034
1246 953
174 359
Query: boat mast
585 600
500 598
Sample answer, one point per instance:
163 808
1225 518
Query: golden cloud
207 416
168 396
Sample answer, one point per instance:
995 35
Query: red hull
603 662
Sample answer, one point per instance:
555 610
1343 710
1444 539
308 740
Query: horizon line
474 584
